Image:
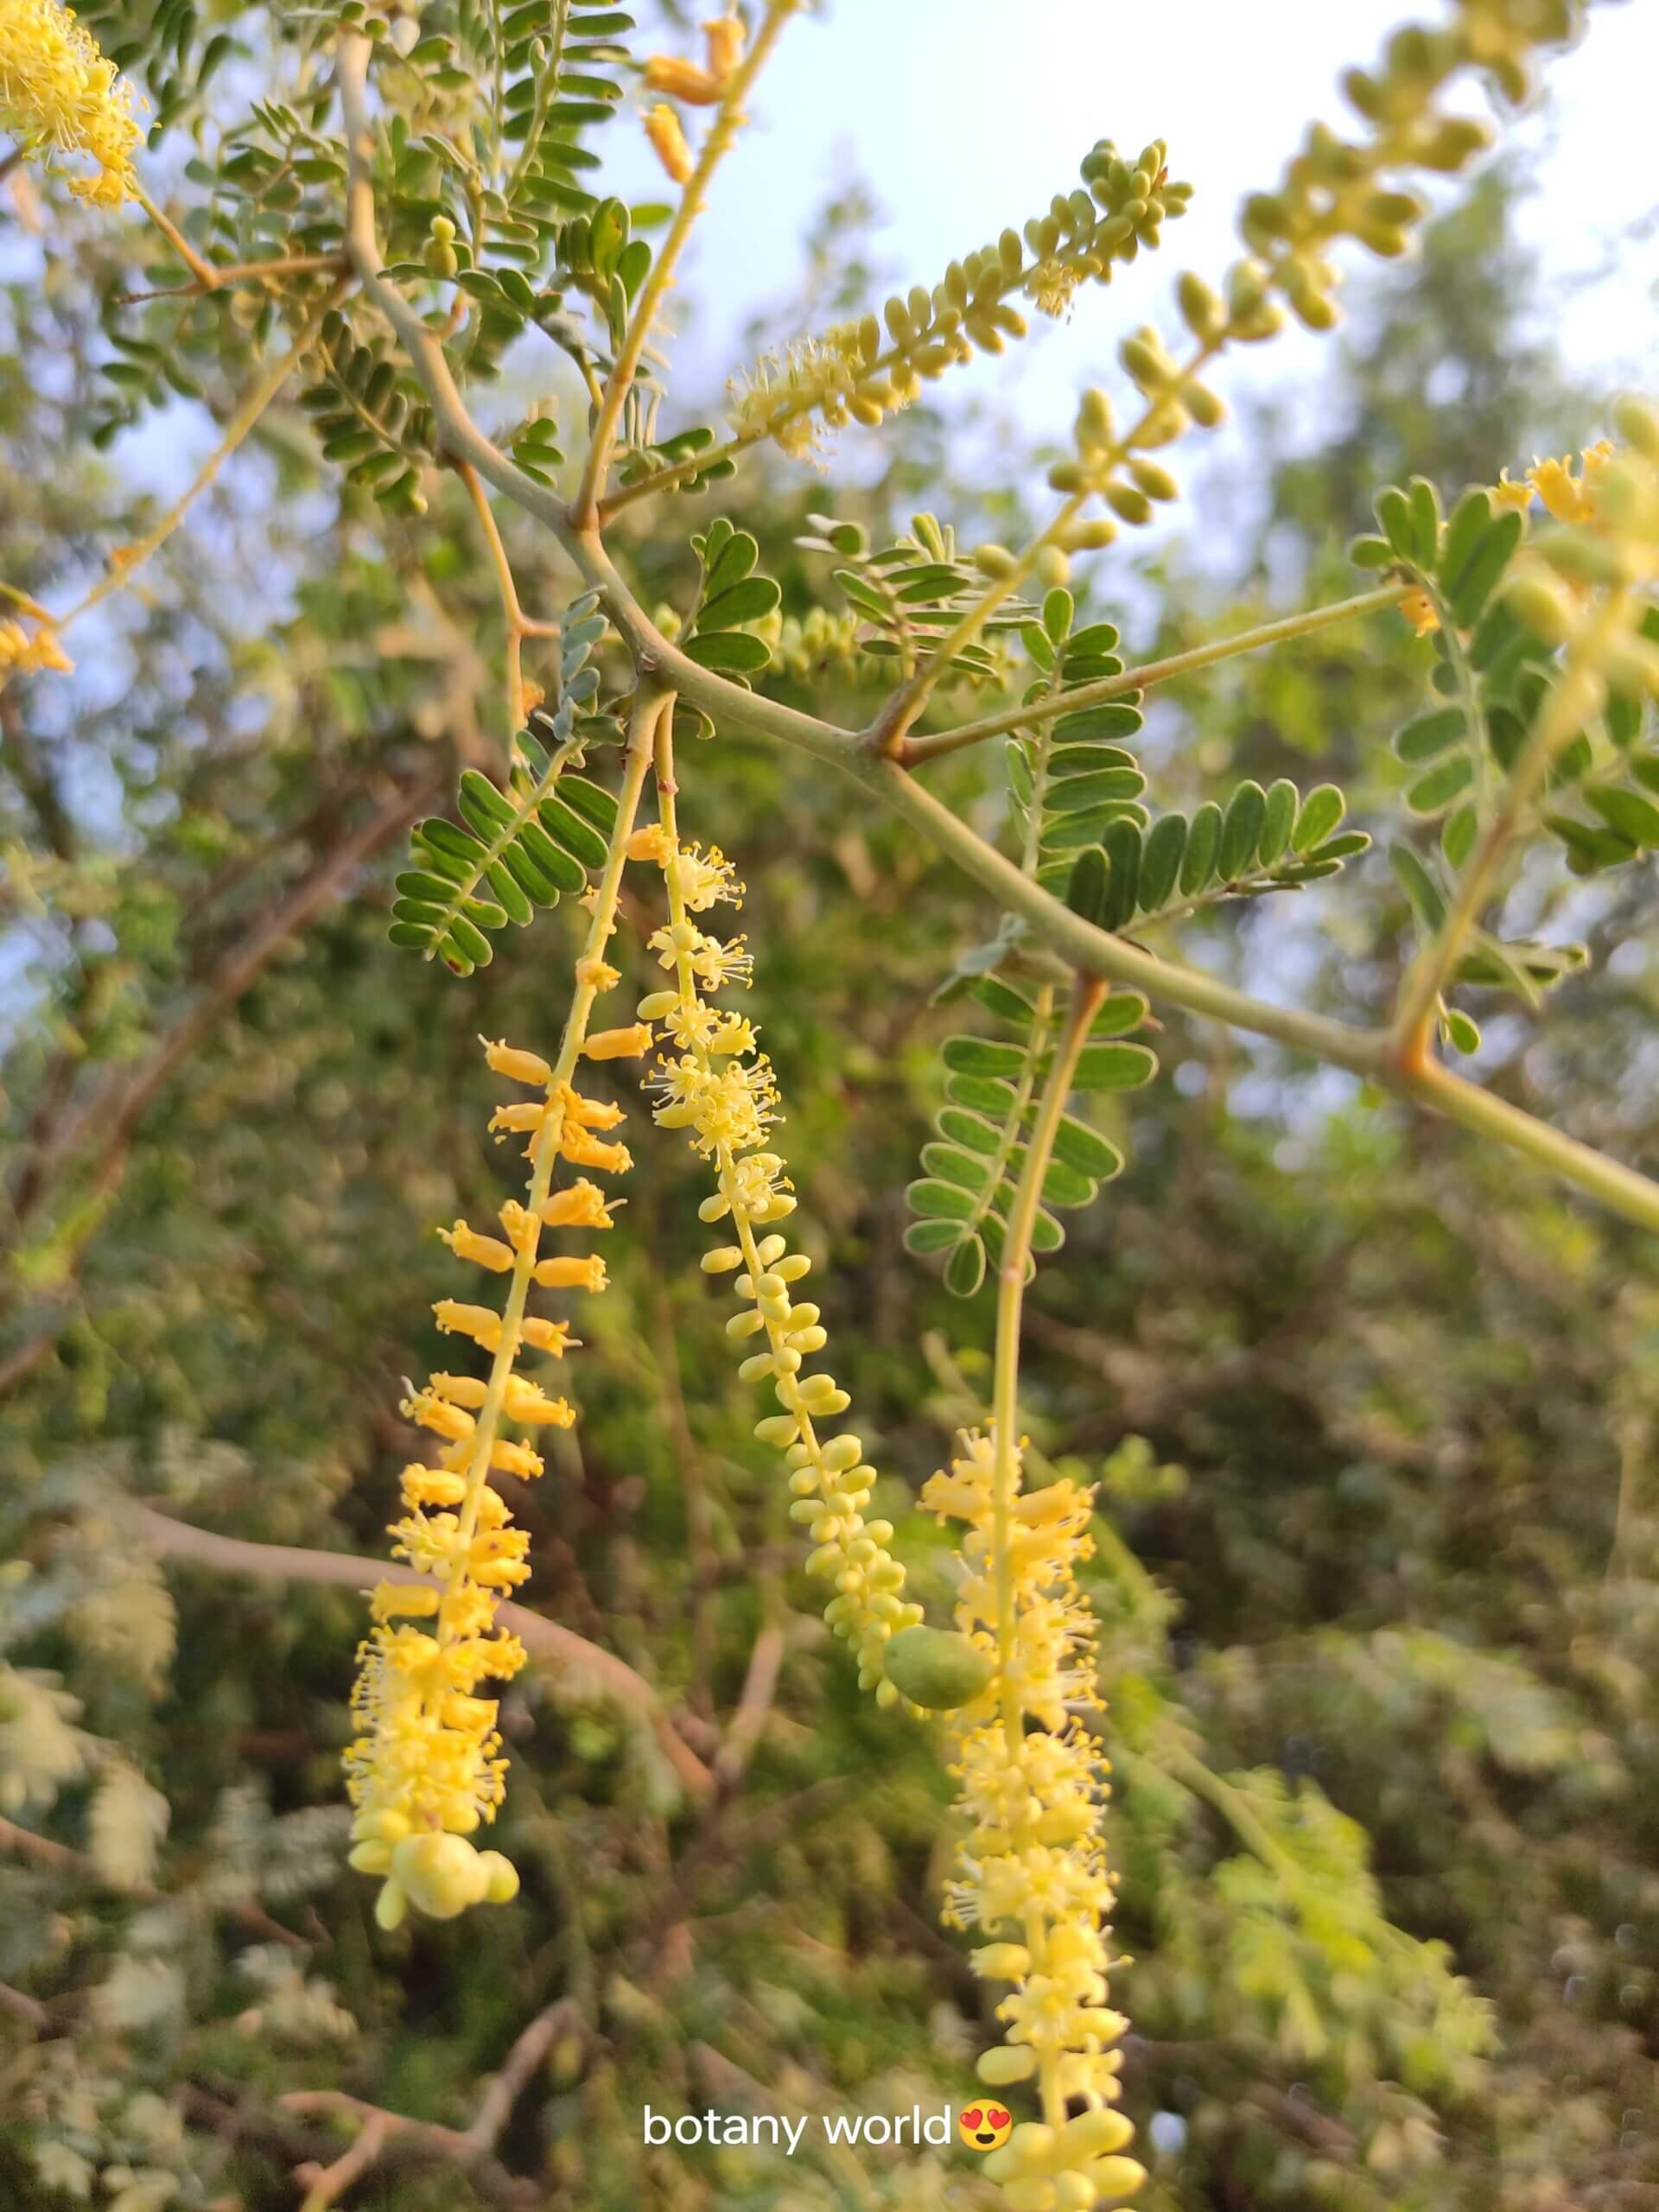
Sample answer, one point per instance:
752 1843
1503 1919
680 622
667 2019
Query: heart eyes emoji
984 2127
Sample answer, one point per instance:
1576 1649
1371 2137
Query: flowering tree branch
1081 944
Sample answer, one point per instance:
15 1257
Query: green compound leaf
516 850
993 1092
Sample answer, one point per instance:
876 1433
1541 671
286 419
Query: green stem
887 731
1558 724
1012 1269
935 745
618 385
647 708
1015 1262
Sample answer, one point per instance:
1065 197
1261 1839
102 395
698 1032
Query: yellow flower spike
30 652
727 1109
1030 1871
426 1771
58 96
668 143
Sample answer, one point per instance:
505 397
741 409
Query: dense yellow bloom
1031 1872
1588 586
1565 497
59 96
426 1770
28 651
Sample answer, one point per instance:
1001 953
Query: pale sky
962 116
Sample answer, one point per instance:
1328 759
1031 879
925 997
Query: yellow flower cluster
426 1771
697 86
811 386
1566 498
29 650
718 1085
1589 586
1031 1872
58 96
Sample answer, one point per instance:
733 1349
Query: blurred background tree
1371 1410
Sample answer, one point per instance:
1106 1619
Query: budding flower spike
718 1086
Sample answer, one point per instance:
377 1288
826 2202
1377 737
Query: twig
518 626
379 2130
721 131
28 2010
104 1127
329 2183
754 1706
218 273
133 557
63 1860
1437 964
913 751
586 1667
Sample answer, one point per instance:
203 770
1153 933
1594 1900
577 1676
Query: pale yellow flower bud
668 142
681 80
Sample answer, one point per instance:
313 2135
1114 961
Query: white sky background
962 116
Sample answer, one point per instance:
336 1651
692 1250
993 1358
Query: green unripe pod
994 561
937 1668
1005 2063
440 1875
1539 605
1636 421
1201 307
1131 505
